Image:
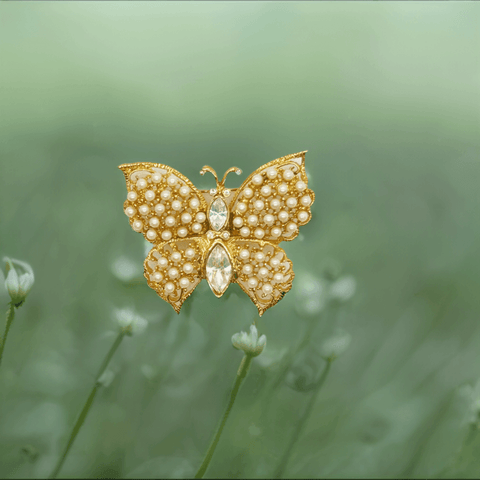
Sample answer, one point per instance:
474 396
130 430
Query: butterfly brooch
223 235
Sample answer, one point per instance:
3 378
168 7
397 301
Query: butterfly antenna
238 171
206 169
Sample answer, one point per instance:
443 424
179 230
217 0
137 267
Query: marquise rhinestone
217 215
219 270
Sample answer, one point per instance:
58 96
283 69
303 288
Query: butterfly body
223 235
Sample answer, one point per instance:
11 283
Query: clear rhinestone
210 234
226 193
217 215
213 191
219 270
225 235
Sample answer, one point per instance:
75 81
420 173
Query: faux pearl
276 232
130 211
149 195
173 272
166 194
257 179
182 232
142 183
241 207
267 289
176 205
306 200
269 219
154 222
247 269
282 189
278 277
184 191
194 203
184 282
200 217
248 193
244 254
244 231
196 228
259 257
188 268
271 173
137 225
156 177
151 234
275 203
189 252
252 220
132 196
238 222
302 216
159 208
266 191
169 287
166 234
252 282
300 186
186 217
283 216
291 202
259 205
170 221
263 272
288 174
176 257
259 233
144 209
163 262
157 276
274 262
292 227
172 180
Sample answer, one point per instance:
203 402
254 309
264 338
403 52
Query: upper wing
162 203
273 201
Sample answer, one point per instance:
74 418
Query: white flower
18 283
249 342
335 345
311 295
126 269
130 322
343 289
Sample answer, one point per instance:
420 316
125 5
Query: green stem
10 317
241 374
83 414
301 424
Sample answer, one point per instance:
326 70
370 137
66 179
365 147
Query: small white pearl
173 272
306 200
172 180
188 268
159 208
176 257
267 289
184 191
166 234
154 222
194 203
291 202
151 234
176 205
259 205
157 276
137 225
283 216
252 282
130 211
278 277
269 219
266 190
156 177
132 196
169 287
184 282
244 231
274 262
170 221
291 227
149 195
302 216
275 203
288 174
186 217
259 257
189 252
252 220
163 262
259 233
276 232
144 209
142 183
247 269
282 189
263 272
196 228
238 222
182 232
257 179
300 186
244 254
248 193
166 194
200 217
241 207
271 173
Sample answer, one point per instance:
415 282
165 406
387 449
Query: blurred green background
386 98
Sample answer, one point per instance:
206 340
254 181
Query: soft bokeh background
386 98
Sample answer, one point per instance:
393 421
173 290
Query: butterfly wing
162 204
274 201
262 269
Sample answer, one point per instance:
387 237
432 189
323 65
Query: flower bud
126 269
130 323
249 342
106 378
335 345
19 281
343 289
311 295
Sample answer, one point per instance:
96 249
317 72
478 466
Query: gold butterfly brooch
224 235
